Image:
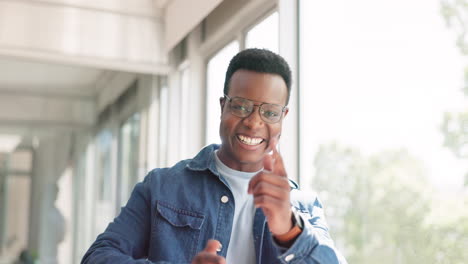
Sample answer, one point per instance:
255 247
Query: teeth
250 141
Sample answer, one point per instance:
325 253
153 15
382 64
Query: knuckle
285 183
262 187
265 175
260 199
260 177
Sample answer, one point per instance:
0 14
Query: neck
234 164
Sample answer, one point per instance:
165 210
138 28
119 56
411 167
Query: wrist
287 239
297 225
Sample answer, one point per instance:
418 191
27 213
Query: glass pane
4 164
384 126
105 187
104 173
164 123
216 71
265 34
129 140
64 204
184 125
15 190
17 217
80 227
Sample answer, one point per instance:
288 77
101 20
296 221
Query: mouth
251 141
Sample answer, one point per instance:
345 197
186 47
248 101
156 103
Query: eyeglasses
241 107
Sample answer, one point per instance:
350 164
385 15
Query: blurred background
94 94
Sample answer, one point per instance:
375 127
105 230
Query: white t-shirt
241 246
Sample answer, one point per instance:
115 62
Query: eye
271 114
238 107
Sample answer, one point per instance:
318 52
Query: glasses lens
241 107
271 113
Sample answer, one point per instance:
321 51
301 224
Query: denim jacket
173 213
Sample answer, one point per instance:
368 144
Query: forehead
257 86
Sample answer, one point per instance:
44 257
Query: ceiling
25 78
43 78
21 76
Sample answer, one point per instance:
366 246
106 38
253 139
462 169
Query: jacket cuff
313 245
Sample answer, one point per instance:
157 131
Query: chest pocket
175 233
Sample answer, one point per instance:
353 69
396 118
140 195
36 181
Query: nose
254 120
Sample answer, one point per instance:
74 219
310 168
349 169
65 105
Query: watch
296 218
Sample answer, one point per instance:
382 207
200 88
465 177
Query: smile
249 140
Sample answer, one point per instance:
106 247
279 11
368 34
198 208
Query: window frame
288 44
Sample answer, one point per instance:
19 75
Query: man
231 203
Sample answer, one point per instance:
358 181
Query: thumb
212 246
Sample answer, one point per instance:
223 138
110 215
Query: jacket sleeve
126 239
314 245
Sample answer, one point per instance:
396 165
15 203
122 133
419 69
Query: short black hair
259 60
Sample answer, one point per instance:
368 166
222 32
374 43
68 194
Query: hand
271 189
209 255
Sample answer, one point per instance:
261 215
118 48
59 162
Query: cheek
274 130
227 124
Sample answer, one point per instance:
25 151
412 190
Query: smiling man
231 203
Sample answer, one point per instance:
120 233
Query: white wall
192 12
104 34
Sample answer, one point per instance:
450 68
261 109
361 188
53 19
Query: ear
222 101
286 112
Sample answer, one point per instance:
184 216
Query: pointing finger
268 160
272 144
278 165
274 162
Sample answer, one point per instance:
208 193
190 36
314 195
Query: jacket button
224 199
289 257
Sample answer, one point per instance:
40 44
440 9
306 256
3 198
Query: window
80 224
379 81
264 34
128 162
184 84
216 72
104 166
163 123
15 192
105 181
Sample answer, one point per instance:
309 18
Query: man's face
245 140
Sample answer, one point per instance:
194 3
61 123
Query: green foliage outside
455 13
455 125
383 210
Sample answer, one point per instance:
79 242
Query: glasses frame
283 108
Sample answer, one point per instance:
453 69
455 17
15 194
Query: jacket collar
204 160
